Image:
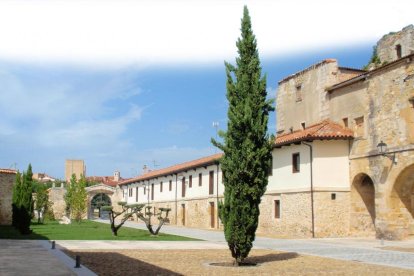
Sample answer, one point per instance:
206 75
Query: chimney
145 169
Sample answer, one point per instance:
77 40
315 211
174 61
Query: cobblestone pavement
352 249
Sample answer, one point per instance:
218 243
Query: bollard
77 261
53 244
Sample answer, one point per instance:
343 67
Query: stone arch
95 190
363 212
401 202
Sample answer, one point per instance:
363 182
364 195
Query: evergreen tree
22 202
247 147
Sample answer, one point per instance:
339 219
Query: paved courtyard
23 257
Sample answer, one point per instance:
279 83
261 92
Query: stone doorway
97 202
362 206
402 204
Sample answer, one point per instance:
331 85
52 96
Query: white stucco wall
330 167
331 164
282 178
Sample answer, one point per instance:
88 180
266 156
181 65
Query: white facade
328 157
169 187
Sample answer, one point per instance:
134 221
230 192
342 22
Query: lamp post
383 149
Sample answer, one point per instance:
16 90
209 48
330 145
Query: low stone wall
6 194
56 195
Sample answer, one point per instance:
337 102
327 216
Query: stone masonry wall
6 194
386 46
295 215
331 215
56 195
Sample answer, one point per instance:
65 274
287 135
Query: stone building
343 160
7 178
377 106
76 167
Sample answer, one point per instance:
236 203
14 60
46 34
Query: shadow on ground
124 265
257 260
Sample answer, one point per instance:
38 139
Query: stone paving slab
29 257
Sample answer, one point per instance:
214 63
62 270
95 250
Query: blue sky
141 82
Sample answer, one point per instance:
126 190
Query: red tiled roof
320 131
8 171
176 168
107 180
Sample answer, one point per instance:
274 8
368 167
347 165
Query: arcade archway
363 206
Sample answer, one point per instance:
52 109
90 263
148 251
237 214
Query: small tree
75 198
42 203
162 217
127 211
247 147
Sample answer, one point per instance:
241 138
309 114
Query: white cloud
148 32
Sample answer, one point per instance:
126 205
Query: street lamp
383 148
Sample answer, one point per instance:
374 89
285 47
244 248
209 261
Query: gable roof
9 171
320 131
205 161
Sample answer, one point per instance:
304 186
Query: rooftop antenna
154 163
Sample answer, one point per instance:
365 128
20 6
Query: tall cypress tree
247 146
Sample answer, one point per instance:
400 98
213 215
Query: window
277 208
136 194
190 181
145 190
296 162
200 179
183 187
398 50
211 183
299 93
333 196
170 186
359 127
345 122
161 187
303 124
130 192
152 191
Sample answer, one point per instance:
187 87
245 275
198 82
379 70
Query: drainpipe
217 195
311 187
176 203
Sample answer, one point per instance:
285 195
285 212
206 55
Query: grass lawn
86 230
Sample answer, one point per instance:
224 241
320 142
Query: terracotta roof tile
176 168
107 180
320 131
8 171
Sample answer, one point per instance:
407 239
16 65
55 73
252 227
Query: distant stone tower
396 45
117 176
76 167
